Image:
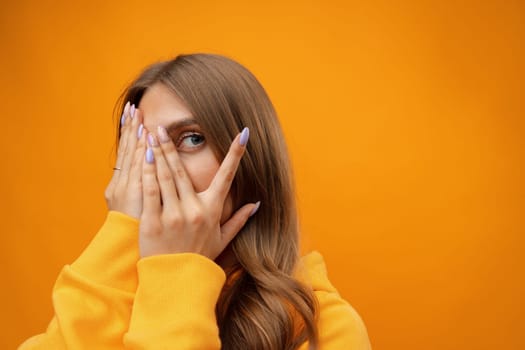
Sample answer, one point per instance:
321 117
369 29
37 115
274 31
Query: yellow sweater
110 299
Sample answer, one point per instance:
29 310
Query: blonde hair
262 306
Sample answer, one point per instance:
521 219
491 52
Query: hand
124 191
187 221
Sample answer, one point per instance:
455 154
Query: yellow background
405 122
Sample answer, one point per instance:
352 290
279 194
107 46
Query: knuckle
196 217
230 175
238 151
173 221
165 176
151 190
179 172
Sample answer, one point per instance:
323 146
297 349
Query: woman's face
160 106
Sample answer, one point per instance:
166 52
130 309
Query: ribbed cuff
186 283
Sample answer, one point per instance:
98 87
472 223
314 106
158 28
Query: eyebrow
181 123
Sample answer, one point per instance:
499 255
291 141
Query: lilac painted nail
163 134
132 111
257 205
139 131
149 156
245 134
152 140
123 119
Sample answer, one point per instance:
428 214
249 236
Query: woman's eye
190 140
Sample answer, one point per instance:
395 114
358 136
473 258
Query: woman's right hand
124 191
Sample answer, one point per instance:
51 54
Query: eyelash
187 134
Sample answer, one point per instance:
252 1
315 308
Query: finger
131 144
231 227
222 181
135 172
124 122
150 187
167 187
181 178
121 147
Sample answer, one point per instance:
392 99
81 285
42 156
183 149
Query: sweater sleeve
339 325
92 298
175 302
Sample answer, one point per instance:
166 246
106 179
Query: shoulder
339 324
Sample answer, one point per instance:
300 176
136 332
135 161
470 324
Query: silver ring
115 168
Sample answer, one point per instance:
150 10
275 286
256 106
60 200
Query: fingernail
124 112
149 156
257 205
245 134
163 134
139 131
152 140
132 111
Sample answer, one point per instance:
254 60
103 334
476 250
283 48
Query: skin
162 107
171 181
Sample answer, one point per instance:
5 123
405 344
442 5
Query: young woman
200 246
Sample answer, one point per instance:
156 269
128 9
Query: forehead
161 106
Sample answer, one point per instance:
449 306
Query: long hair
262 305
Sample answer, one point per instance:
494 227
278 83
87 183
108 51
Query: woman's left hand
187 221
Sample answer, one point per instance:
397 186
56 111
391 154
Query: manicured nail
245 134
124 112
139 131
132 111
149 156
163 134
257 205
152 140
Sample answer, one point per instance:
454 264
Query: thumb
231 227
